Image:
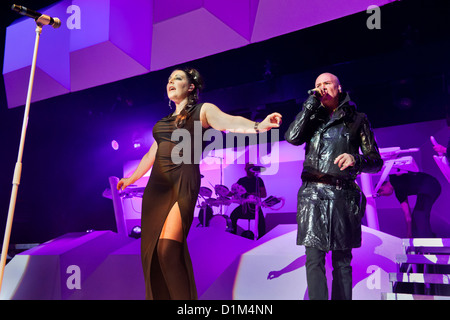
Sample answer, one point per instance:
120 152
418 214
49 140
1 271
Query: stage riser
423 270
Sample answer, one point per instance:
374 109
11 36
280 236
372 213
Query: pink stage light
115 145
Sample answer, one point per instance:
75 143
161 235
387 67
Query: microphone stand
18 167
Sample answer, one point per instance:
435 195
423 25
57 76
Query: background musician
254 186
427 189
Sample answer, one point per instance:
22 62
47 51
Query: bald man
330 204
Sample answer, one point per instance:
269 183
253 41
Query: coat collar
344 111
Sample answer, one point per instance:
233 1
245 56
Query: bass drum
221 222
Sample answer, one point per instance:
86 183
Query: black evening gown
169 183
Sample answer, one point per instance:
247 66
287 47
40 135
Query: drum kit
225 197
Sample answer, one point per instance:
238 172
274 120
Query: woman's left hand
273 120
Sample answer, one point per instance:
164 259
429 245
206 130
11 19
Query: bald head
327 77
330 88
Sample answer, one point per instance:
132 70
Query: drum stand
203 210
257 206
221 180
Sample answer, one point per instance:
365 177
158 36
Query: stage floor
102 265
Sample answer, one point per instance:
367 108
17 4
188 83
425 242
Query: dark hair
193 77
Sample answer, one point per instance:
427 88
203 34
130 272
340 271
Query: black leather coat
330 203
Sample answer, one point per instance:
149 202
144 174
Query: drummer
247 188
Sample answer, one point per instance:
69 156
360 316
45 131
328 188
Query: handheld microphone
314 91
39 17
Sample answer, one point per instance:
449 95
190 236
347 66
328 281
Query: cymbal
256 169
221 190
205 192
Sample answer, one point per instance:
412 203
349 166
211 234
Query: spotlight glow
115 145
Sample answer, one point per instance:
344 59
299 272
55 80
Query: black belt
332 181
